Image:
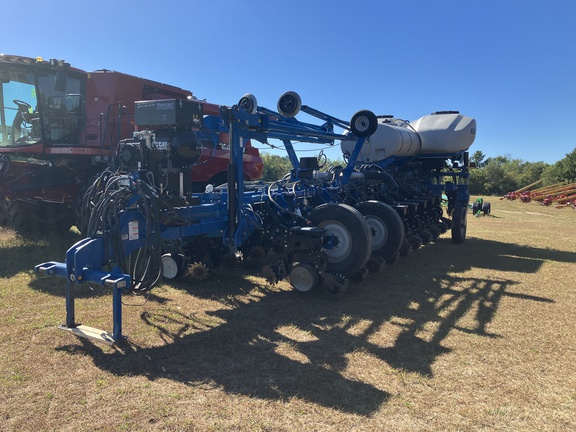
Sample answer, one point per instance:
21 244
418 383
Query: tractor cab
41 104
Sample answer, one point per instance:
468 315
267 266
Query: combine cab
60 127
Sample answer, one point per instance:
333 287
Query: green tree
497 179
275 167
478 159
476 181
531 172
502 174
563 170
569 165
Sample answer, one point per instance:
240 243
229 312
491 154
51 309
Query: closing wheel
304 277
386 226
352 238
249 103
459 224
364 123
198 271
172 265
289 104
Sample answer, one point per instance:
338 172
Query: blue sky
509 64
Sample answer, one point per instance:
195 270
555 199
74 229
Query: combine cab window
19 118
63 112
34 108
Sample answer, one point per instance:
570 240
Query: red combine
60 126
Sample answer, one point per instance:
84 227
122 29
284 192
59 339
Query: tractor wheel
459 224
475 207
353 238
386 226
486 208
364 123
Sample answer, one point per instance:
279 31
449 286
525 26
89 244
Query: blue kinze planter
313 227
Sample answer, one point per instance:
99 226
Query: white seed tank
444 132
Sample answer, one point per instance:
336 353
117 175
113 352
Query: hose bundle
104 205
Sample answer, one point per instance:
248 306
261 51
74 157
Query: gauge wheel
351 237
386 227
304 277
172 265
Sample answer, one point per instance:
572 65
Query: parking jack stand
91 332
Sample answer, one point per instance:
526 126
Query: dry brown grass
478 336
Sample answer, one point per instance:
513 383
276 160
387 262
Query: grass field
470 337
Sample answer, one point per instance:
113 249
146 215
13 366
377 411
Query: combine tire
459 224
19 217
386 227
353 238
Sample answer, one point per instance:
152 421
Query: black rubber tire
249 103
289 104
386 227
364 123
350 228
486 208
475 207
19 217
459 224
304 277
176 261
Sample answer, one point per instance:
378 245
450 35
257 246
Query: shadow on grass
511 257
424 297
24 251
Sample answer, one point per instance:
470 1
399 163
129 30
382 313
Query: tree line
491 176
502 174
